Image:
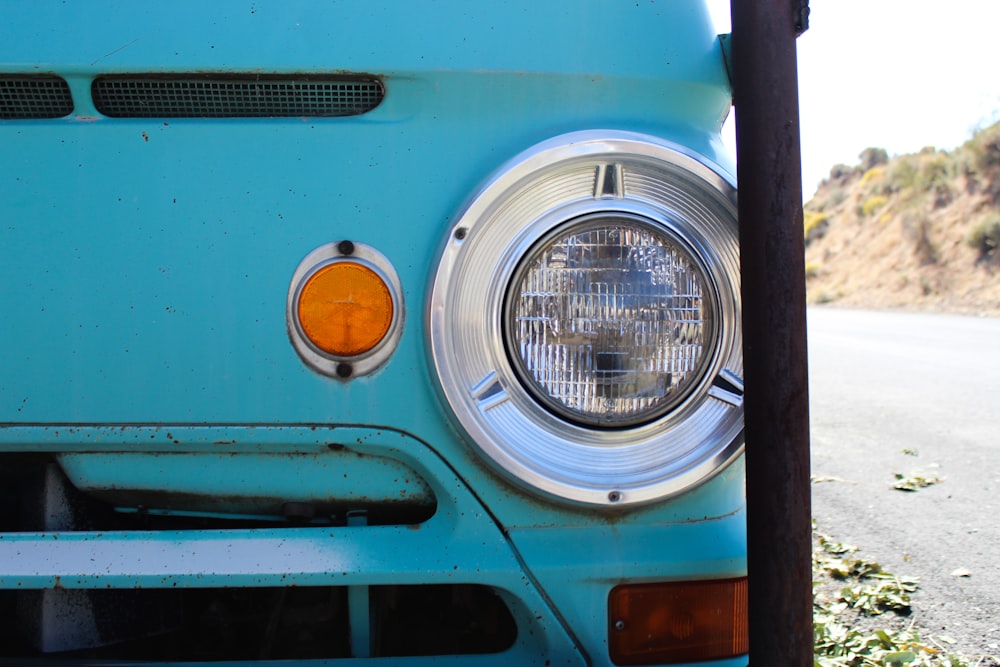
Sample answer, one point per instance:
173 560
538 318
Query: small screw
460 233
619 625
344 370
346 247
615 496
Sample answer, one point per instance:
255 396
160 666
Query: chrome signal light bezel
562 180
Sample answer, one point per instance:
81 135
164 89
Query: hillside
918 231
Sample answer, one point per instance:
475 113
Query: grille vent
236 96
31 96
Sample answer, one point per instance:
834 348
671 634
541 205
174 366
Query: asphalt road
913 394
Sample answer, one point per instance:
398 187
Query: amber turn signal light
674 622
345 309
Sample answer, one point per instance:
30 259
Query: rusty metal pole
769 171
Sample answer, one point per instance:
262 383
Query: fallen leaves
839 638
914 482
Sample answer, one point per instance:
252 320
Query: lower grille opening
251 623
35 496
221 623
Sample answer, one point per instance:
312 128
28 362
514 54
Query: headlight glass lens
610 320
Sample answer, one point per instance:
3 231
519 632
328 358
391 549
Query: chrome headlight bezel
566 179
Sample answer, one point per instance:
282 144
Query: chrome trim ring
564 179
321 360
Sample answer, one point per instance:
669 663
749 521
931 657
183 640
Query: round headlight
610 320
584 319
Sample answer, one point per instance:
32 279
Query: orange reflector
345 309
684 621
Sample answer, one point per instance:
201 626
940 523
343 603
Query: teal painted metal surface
145 265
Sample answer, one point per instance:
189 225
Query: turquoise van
369 332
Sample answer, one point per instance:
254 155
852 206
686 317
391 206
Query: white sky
894 74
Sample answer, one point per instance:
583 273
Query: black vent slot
234 96
34 96
184 624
